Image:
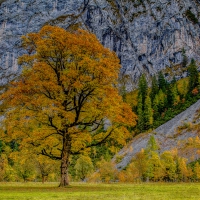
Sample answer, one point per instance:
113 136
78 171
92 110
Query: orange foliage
66 93
195 91
122 176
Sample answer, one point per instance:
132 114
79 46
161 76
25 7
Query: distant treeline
164 100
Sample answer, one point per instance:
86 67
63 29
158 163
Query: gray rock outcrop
147 35
168 136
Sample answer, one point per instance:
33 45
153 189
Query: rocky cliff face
147 35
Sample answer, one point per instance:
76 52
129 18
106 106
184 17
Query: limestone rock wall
147 35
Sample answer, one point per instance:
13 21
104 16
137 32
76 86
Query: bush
107 171
191 16
185 126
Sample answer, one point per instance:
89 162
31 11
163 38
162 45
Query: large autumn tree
66 99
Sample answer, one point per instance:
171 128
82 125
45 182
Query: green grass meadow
85 191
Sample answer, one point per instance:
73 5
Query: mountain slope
147 35
170 135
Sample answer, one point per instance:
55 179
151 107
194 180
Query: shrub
185 126
191 16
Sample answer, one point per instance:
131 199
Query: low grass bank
82 191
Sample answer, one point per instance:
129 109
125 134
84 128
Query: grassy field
81 191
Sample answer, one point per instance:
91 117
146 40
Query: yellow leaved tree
65 96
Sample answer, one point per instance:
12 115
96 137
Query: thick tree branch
50 155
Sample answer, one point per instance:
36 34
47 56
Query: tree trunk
43 179
64 181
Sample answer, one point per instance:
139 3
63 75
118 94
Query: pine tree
156 107
173 80
185 59
162 101
143 88
173 96
193 75
154 88
140 114
148 113
154 170
152 144
142 93
162 83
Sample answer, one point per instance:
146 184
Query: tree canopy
65 96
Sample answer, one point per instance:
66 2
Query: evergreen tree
154 88
142 93
162 83
152 145
173 96
140 114
193 75
143 88
173 80
162 101
185 59
156 107
148 113
154 163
